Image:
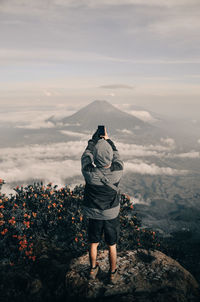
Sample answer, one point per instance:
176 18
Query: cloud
38 124
125 131
151 169
34 119
145 116
46 170
139 151
175 25
116 86
37 5
58 162
42 56
162 3
194 121
161 61
191 154
47 93
24 117
17 164
70 149
7 189
129 150
139 200
50 162
112 94
75 134
168 141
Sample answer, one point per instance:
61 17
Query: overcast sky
142 52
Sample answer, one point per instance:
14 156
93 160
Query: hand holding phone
102 132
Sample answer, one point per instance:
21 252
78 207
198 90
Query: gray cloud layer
59 161
132 26
98 3
152 169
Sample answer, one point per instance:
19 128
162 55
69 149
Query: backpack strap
106 182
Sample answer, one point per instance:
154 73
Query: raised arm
87 156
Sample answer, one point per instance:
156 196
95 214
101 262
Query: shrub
43 211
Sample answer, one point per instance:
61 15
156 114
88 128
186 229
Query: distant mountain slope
103 113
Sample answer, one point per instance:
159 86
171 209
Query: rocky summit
145 276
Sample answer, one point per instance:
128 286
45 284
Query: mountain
103 113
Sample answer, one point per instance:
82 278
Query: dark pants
110 229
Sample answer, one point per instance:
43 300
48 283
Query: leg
112 257
93 254
111 230
113 274
95 230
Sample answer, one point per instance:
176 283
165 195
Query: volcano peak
101 112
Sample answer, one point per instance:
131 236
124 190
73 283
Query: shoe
114 277
93 272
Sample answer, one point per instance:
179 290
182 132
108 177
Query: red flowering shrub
45 211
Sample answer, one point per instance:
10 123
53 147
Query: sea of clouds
57 162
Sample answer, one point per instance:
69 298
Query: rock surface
144 277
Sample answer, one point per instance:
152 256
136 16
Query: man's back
99 196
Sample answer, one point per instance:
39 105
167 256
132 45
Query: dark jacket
98 196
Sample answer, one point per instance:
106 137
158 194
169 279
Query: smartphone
101 130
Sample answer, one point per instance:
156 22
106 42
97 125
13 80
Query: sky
72 52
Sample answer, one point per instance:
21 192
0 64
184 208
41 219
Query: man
101 202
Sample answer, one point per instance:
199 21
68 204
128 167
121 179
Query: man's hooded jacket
100 200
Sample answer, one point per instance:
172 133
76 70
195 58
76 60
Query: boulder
144 276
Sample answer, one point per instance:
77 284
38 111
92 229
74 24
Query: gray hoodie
101 201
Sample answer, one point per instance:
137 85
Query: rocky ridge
144 276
